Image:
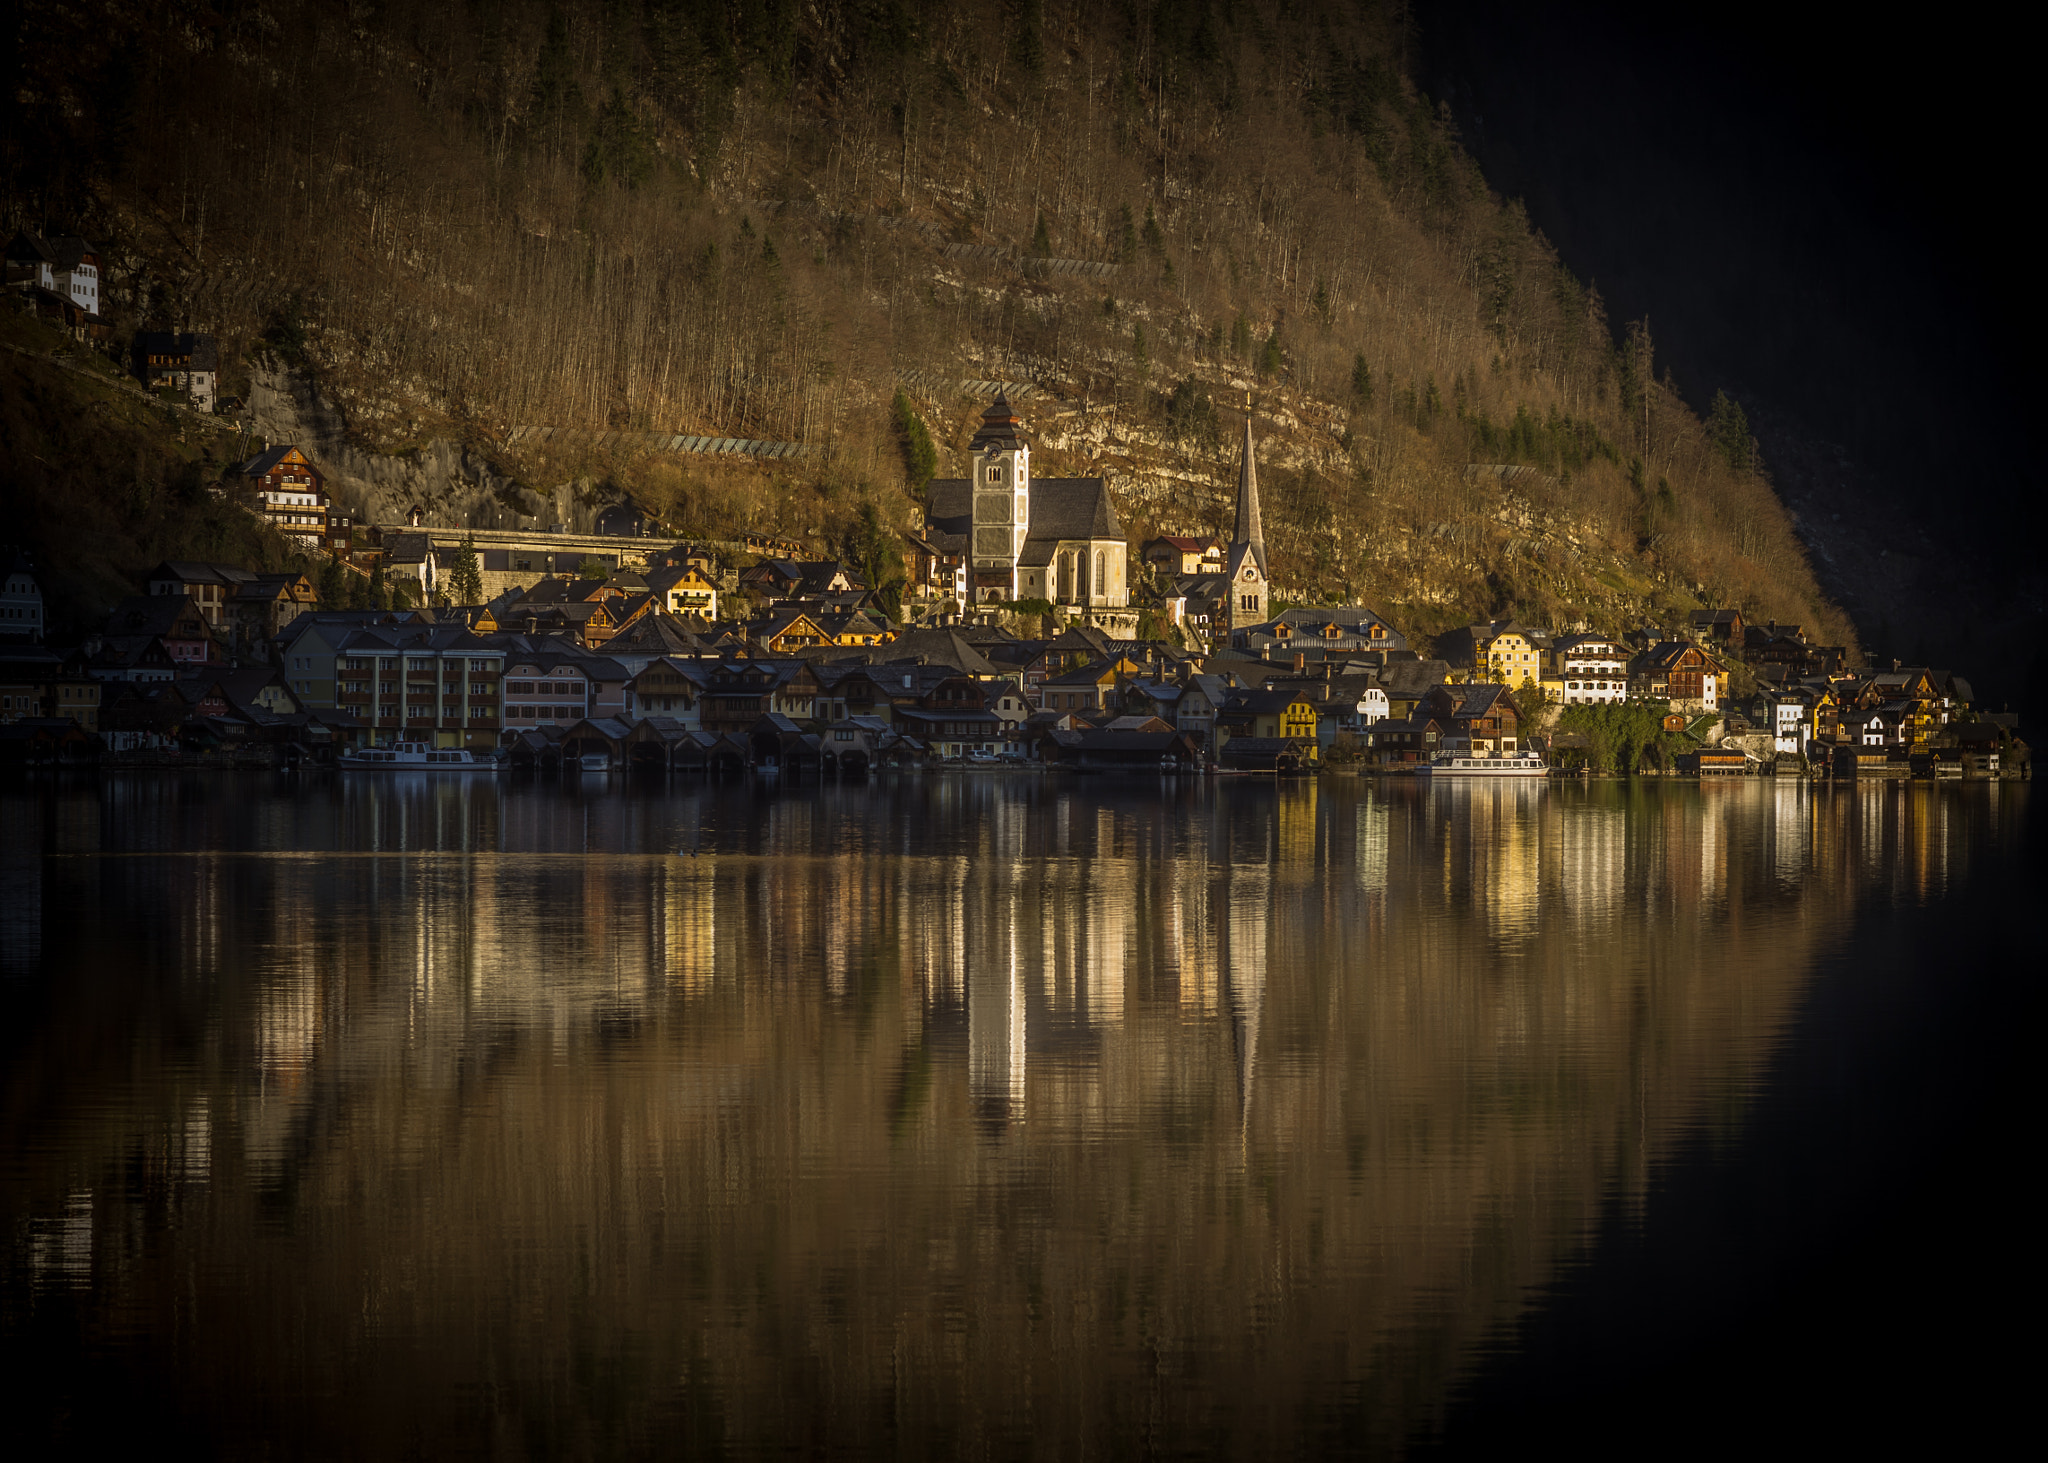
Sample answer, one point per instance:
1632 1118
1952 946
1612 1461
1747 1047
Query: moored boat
415 757
1453 764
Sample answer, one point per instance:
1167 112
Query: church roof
998 427
1061 508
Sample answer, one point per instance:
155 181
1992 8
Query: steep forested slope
746 218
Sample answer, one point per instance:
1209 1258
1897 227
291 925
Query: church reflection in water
935 1118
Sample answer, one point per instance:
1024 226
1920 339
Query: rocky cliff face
450 484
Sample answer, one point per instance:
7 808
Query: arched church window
1099 590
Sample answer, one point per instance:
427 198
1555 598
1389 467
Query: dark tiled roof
1061 508
998 426
201 351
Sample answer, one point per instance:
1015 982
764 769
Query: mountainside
490 259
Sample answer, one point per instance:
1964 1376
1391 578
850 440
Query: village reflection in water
942 1116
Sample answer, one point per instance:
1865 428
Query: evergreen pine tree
1728 426
465 579
1361 379
920 457
1041 241
1269 354
1155 237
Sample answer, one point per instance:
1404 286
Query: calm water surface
977 1115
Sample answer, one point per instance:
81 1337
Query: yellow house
1283 715
1508 655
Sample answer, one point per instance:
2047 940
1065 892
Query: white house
62 265
21 602
1594 669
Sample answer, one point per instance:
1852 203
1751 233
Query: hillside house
182 362
63 269
290 492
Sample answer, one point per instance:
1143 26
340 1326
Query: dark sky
1832 221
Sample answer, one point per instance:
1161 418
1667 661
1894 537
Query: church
1026 537
1241 595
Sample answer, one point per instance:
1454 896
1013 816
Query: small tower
1246 562
1002 501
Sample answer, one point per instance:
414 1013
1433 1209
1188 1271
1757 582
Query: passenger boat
415 757
1522 764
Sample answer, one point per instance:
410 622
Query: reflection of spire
1244 958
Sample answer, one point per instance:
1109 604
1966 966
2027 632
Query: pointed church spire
1249 530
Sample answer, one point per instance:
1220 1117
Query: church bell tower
1002 502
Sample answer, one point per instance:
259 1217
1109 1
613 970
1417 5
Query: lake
981 1114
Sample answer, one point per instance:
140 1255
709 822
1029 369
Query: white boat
1522 764
415 757
596 761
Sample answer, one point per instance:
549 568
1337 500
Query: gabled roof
59 251
154 614
201 352
264 461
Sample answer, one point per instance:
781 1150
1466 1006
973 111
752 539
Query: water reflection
938 1117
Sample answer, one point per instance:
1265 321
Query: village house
26 674
61 269
1478 720
1593 669
142 717
422 682
1503 651
262 605
290 492
1682 673
175 621
1091 687
206 585
656 635
1328 629
1285 713
178 362
667 687
1178 557
21 601
1719 627
685 590
956 721
737 695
